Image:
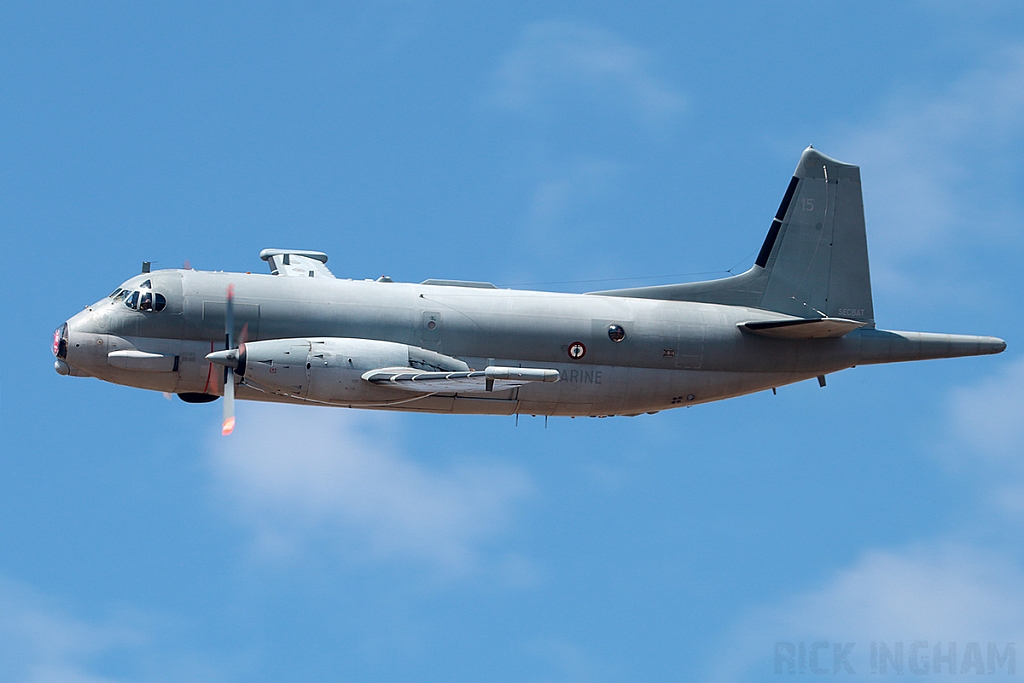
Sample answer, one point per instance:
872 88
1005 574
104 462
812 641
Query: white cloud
559 62
986 437
943 592
953 592
40 642
571 83
560 193
986 417
940 172
567 661
965 587
299 474
43 641
948 590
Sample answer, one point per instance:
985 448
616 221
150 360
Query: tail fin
816 255
814 261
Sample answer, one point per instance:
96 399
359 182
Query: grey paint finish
805 313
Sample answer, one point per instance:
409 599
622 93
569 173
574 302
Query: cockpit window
146 284
142 301
115 293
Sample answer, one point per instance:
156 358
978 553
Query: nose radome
78 343
60 350
60 342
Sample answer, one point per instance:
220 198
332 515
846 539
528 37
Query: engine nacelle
330 369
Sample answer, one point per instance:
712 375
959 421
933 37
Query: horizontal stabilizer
819 328
490 379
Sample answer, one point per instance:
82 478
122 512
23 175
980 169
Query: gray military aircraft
299 335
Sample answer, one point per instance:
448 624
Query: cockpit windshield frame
146 300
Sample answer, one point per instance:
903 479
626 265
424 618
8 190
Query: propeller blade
229 318
228 425
229 374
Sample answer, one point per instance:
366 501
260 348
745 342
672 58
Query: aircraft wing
491 379
296 263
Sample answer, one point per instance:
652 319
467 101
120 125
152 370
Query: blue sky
531 143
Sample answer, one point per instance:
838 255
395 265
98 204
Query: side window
132 301
113 295
159 302
146 302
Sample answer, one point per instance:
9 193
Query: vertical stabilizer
816 255
814 260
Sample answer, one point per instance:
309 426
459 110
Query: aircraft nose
60 350
60 342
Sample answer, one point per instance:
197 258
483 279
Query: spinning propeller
228 425
229 358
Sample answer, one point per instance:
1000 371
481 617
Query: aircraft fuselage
673 353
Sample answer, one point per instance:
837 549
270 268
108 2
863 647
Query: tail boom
887 346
